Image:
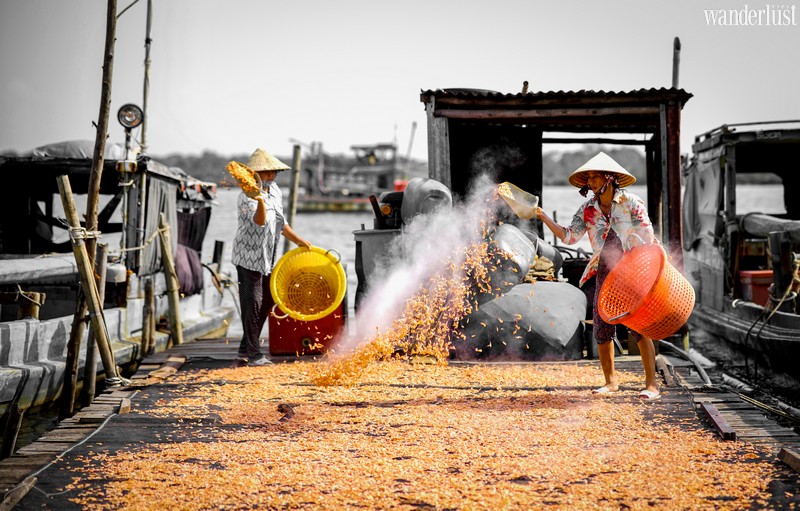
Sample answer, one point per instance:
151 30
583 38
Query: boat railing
729 128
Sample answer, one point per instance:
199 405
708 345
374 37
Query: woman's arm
551 224
294 238
260 216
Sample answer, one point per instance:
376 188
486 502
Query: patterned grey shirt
254 245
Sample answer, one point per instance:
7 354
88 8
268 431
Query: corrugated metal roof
485 93
465 92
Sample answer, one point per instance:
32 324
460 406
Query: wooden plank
718 421
42 447
64 437
124 406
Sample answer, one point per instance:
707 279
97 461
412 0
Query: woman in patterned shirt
614 218
260 225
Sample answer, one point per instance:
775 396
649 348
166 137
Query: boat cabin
738 250
35 246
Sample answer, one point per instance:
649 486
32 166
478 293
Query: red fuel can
290 336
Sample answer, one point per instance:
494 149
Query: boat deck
46 474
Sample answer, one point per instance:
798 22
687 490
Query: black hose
702 372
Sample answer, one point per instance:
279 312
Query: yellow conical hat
262 160
601 163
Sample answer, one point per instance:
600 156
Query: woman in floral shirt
614 218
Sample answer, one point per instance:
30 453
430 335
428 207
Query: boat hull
743 342
33 352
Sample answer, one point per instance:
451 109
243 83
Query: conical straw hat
601 163
262 160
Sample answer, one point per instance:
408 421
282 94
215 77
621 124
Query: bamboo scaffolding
88 284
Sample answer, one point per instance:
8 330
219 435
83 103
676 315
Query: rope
147 242
27 296
791 295
80 233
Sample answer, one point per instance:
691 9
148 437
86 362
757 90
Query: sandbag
540 321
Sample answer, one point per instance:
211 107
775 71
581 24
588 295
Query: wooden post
29 304
88 283
67 406
674 234
219 249
171 277
90 366
293 192
148 317
13 424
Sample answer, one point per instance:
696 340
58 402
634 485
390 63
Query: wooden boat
37 264
344 188
743 264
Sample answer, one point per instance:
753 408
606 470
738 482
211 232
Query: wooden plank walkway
685 394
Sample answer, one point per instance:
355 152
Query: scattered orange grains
422 437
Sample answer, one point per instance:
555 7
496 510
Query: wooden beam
499 113
592 140
664 175
718 421
673 185
790 457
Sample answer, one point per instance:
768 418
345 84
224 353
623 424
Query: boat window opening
62 235
761 192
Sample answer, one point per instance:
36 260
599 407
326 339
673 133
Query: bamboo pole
90 366
171 277
78 320
293 192
146 91
102 126
87 282
67 401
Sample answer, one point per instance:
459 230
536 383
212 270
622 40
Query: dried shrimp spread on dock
409 437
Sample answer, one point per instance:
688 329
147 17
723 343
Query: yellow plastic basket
521 202
308 283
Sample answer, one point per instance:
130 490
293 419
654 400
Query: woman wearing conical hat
610 217
260 225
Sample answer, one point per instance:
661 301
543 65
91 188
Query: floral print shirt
254 245
628 216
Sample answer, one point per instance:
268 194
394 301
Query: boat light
130 116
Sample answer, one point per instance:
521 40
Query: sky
230 76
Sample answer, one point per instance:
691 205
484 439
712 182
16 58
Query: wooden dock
38 475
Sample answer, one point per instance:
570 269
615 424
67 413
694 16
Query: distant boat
331 187
741 264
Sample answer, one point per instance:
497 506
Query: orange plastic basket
646 293
307 283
